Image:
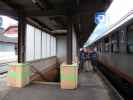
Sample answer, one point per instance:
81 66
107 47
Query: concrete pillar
21 39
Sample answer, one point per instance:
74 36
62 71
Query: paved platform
3 86
90 88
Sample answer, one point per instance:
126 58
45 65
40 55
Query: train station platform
51 32
91 87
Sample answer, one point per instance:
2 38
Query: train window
123 40
130 42
130 48
130 39
106 41
110 45
115 43
100 46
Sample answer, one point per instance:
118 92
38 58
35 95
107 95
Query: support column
21 39
69 42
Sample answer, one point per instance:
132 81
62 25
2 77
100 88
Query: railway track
4 67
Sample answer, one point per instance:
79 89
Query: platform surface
91 87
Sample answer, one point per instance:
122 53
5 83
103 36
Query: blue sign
99 17
1 21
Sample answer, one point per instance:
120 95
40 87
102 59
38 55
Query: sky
7 21
117 10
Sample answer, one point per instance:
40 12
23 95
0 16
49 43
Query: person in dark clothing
82 58
93 58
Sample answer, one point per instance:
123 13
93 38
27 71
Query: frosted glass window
37 43
51 46
48 45
54 46
44 45
29 43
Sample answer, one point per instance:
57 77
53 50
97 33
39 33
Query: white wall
61 48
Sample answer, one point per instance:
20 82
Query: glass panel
44 45
29 43
130 38
37 43
48 45
54 46
130 42
130 48
115 42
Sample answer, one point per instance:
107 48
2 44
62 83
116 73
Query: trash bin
18 75
69 76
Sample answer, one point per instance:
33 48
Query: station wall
61 48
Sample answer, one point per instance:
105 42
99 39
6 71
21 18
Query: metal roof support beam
16 8
69 41
41 24
21 39
50 13
77 30
8 12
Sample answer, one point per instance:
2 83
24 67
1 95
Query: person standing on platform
93 58
87 65
82 58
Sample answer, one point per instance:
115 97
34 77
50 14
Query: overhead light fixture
59 31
